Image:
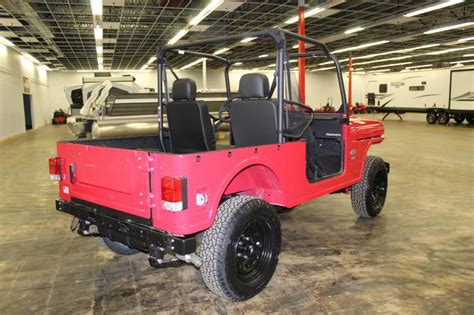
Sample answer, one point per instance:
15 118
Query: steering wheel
305 126
225 108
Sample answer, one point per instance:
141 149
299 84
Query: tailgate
110 177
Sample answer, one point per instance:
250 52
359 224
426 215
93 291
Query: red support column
301 49
350 86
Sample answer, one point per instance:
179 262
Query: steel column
301 50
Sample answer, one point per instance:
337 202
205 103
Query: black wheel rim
253 250
378 190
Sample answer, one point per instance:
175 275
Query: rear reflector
173 193
55 168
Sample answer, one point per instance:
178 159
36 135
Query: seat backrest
188 120
253 116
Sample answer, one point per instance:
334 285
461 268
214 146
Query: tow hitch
157 259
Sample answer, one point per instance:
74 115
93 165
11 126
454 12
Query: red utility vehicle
180 198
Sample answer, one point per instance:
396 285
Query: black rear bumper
126 230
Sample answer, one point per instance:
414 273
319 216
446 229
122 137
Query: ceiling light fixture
144 66
6 42
380 70
205 12
221 51
98 33
361 46
100 60
465 39
354 30
462 61
323 69
99 49
45 67
151 60
393 65
468 55
248 39
448 27
189 65
263 56
237 63
449 50
100 67
96 7
433 7
30 58
307 14
178 36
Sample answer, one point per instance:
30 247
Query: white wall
13 67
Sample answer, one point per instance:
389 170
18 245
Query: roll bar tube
278 35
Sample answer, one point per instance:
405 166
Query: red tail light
173 193
55 168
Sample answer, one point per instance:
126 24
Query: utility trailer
180 197
441 94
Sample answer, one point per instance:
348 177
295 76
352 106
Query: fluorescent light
295 46
420 66
449 27
272 65
151 60
30 58
144 66
354 30
462 61
465 39
433 7
468 55
100 67
96 7
189 65
380 70
205 12
308 13
439 52
221 51
248 39
5 41
178 36
237 64
393 65
263 56
383 60
100 60
98 33
99 49
361 46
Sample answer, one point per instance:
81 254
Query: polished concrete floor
417 257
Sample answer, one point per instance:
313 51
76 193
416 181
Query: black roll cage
279 36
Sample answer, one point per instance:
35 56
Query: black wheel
116 247
368 196
443 118
240 251
431 117
459 118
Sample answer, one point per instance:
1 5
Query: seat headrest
184 90
253 85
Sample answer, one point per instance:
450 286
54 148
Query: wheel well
257 181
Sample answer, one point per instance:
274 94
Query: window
382 88
417 88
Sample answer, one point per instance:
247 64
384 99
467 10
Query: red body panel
118 178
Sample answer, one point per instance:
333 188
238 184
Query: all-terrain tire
116 247
240 251
368 196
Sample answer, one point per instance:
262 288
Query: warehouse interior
81 76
